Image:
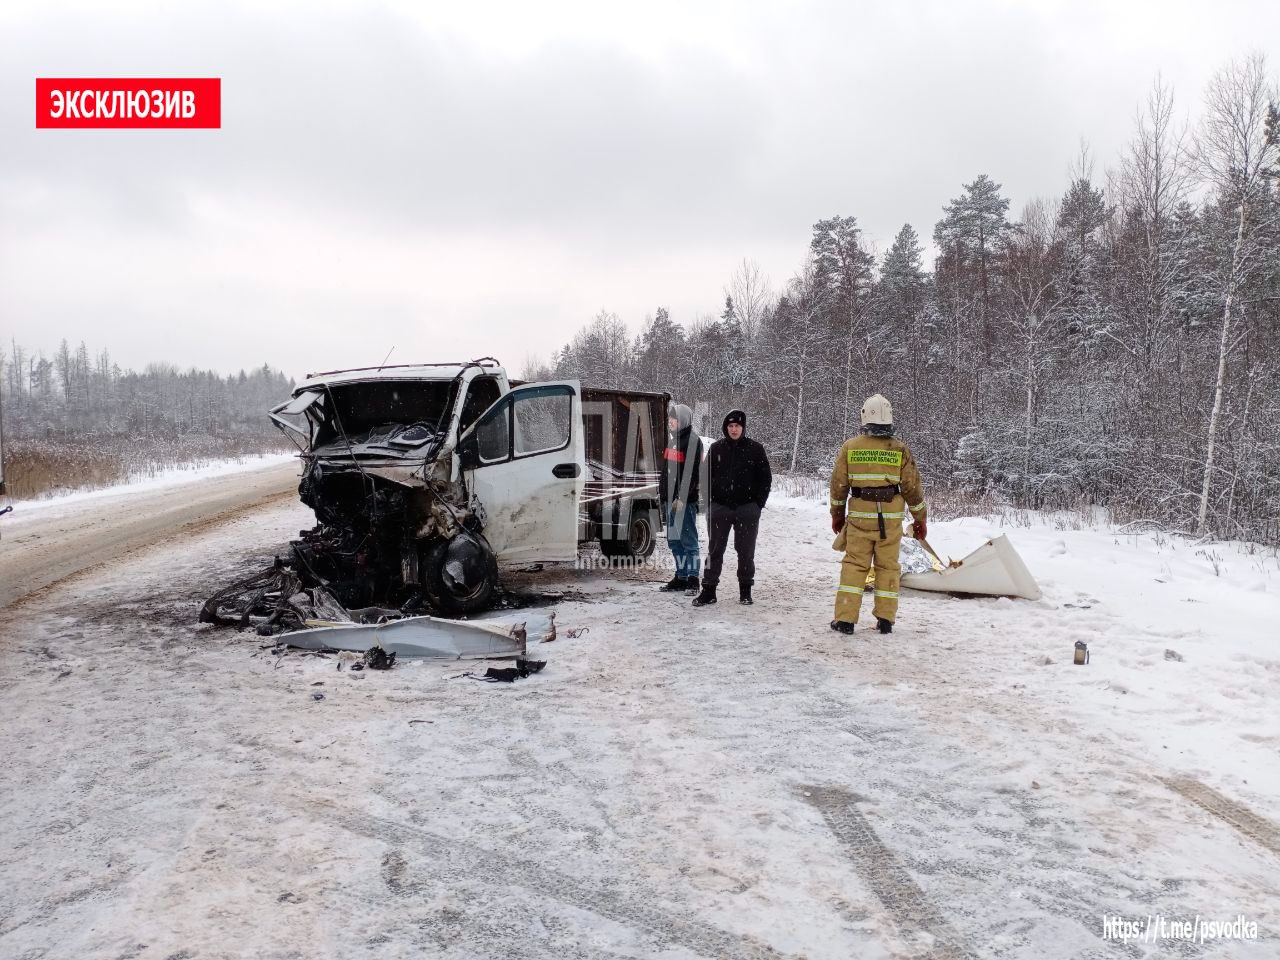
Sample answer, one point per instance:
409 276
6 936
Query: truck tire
460 575
642 536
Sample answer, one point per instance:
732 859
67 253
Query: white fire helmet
877 410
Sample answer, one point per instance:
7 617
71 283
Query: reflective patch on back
884 458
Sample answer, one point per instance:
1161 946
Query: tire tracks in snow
913 911
458 862
1257 828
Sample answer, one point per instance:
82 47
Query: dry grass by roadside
37 468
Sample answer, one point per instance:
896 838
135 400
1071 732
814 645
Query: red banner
128 102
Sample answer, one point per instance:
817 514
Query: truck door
524 465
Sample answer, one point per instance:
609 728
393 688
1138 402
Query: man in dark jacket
740 482
679 488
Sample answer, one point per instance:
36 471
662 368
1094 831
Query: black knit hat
735 416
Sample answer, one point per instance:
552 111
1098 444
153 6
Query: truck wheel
640 540
460 575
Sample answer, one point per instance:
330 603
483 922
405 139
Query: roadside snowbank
1184 640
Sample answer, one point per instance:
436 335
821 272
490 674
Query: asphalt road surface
52 543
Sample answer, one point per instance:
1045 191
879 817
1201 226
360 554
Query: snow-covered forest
78 420
1116 345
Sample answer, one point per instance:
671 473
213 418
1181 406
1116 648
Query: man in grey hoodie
679 489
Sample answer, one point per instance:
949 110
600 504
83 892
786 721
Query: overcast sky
482 178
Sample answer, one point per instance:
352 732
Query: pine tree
842 277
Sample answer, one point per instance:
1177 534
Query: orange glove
920 529
837 522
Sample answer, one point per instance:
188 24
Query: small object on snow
1173 655
317 683
517 631
506 674
357 667
509 674
1035 784
1082 654
1046 661
375 658
575 632
411 722
317 695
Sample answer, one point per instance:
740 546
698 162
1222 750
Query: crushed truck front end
380 472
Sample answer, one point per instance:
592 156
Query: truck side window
543 420
492 435
481 395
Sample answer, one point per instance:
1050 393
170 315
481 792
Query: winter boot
842 626
883 625
708 595
744 594
691 587
675 584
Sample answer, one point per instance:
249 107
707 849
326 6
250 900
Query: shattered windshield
400 415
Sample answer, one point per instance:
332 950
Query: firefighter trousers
864 549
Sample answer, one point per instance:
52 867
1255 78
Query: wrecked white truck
427 479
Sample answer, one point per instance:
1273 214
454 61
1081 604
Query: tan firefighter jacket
867 461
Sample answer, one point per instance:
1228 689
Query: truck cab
432 477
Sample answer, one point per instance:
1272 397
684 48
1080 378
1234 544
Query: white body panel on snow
425 637
525 467
994 569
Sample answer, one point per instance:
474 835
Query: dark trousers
744 521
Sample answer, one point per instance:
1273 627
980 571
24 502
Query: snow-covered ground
723 782
176 475
1184 642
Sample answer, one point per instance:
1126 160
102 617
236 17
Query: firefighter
877 475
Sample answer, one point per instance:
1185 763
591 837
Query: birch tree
1237 157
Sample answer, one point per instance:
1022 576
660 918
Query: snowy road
728 782
46 542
